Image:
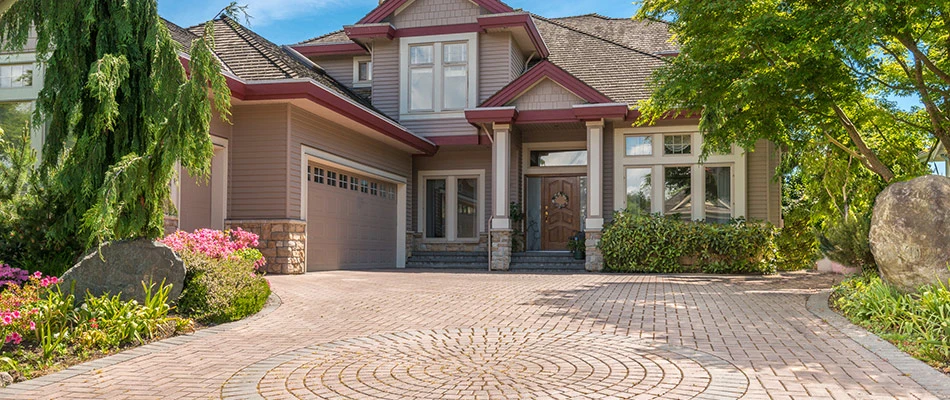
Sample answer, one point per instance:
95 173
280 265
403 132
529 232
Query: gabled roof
649 36
330 38
388 7
614 69
540 71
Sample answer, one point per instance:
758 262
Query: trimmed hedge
656 244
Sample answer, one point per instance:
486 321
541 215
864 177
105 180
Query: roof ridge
598 37
319 37
246 33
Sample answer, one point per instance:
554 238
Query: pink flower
37 274
16 314
7 319
32 326
14 337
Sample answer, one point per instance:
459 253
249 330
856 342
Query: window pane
718 194
639 145
455 53
435 208
420 97
467 208
420 55
559 158
640 190
14 120
677 193
677 144
16 76
938 168
365 68
455 87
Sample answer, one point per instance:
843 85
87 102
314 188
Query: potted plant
578 246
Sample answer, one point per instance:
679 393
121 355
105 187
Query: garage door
351 220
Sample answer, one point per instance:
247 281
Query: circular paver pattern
491 363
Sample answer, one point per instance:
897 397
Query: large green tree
811 75
120 112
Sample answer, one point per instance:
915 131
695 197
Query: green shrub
847 242
658 244
221 290
797 243
919 323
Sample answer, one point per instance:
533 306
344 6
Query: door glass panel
533 217
559 158
718 194
678 192
435 208
640 190
467 218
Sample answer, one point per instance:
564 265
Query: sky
293 21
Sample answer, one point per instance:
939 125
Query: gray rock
910 232
5 379
121 267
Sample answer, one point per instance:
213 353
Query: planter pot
579 255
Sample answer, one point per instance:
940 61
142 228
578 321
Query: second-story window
362 71
16 76
438 75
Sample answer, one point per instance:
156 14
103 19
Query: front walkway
465 335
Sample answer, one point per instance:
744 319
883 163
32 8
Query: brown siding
547 95
455 158
493 64
517 61
440 127
339 68
437 12
258 162
321 134
764 196
386 77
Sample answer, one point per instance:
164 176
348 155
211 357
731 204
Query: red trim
524 21
545 69
486 116
438 30
388 7
335 49
461 140
318 95
610 111
370 31
546 116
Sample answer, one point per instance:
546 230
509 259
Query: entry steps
520 262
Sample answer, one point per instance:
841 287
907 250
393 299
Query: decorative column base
283 242
500 250
595 258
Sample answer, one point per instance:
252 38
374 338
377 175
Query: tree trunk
868 157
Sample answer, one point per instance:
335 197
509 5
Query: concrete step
448 260
481 266
546 261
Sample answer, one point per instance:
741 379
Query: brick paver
404 334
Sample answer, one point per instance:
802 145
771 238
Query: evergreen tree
120 112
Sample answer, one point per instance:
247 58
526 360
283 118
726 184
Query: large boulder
121 267
910 232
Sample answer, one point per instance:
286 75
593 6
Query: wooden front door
560 211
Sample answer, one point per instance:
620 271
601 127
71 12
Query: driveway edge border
936 382
273 302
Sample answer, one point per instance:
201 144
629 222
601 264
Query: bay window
439 75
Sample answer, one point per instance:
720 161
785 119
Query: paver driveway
410 334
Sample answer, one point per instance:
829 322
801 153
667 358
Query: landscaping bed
45 328
918 323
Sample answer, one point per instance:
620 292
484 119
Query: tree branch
911 45
868 157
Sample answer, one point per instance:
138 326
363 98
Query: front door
560 211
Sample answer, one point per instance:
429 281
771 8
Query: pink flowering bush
216 244
20 307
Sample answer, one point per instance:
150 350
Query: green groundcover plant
918 323
665 244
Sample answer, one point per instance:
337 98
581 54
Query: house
416 129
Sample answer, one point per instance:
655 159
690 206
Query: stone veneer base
282 241
501 250
595 258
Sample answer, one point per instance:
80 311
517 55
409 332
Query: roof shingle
649 36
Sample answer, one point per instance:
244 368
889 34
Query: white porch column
501 164
595 195
595 175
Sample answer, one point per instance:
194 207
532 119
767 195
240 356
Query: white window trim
451 223
437 76
357 83
658 161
